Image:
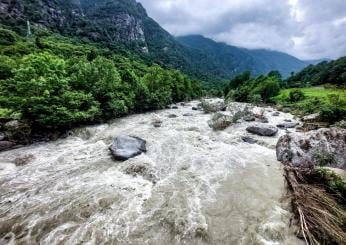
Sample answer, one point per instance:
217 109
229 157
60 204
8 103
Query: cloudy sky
308 29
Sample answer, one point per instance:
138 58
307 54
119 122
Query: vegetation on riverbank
329 100
56 82
318 202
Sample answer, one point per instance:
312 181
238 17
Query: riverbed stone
157 123
327 146
220 121
24 159
287 125
172 116
262 129
188 115
249 140
141 168
213 106
125 147
6 145
17 131
276 114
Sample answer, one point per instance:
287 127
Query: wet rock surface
262 129
210 106
287 125
321 147
220 121
125 147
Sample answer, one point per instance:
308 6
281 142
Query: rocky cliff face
110 21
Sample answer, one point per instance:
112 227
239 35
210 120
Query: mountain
235 60
124 25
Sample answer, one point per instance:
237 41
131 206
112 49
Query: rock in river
125 147
287 125
325 146
262 129
213 106
220 121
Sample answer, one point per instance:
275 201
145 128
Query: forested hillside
333 72
124 27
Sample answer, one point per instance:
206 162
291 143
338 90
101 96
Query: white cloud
309 29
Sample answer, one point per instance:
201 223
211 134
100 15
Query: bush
7 37
334 110
295 95
7 66
267 89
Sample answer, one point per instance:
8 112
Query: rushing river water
205 187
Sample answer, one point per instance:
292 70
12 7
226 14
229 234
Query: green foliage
7 37
334 109
101 79
7 66
295 95
334 183
40 91
333 72
243 88
58 82
324 159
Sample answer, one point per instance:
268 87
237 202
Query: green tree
40 91
102 80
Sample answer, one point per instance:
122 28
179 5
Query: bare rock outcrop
321 147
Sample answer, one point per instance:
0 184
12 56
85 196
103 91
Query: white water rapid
210 187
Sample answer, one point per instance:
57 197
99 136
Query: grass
312 92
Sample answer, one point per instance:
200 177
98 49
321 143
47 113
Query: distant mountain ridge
235 59
124 25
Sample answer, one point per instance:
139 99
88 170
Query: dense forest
332 72
55 82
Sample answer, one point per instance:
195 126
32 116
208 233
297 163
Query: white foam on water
211 187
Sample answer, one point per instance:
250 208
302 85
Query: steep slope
124 25
235 60
118 24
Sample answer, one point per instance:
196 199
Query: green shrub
7 37
334 110
324 159
267 88
7 66
295 95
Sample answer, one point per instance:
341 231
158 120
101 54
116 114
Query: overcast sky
308 29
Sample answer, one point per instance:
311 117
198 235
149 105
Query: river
204 187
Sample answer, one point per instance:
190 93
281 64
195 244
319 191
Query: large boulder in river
322 147
220 121
125 147
262 129
211 106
